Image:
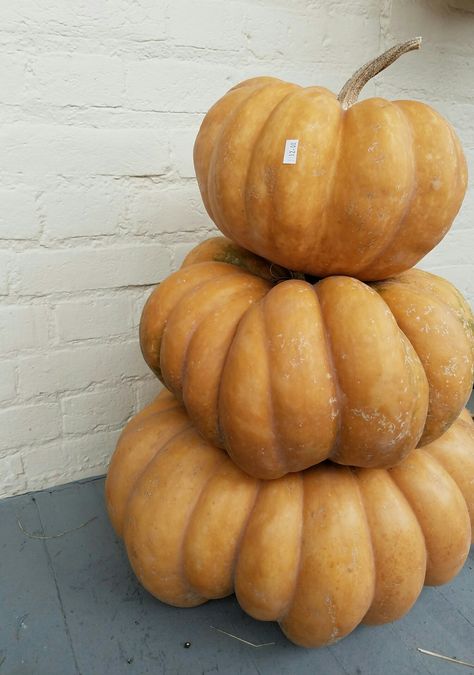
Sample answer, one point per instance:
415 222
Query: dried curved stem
351 90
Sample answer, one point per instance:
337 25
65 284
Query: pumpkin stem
351 90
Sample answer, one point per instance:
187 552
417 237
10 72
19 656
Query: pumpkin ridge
398 229
442 454
183 450
300 554
441 464
420 293
461 174
340 395
155 453
152 352
411 493
326 481
257 81
256 308
411 279
253 153
216 203
277 447
156 448
204 185
369 530
182 563
331 178
236 316
271 223
219 430
243 531
400 496
194 290
220 303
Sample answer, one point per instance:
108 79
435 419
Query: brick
19 217
91 20
83 208
79 79
180 251
427 77
41 272
311 36
21 425
93 318
209 25
172 85
7 381
78 367
12 78
81 457
463 220
139 304
287 34
448 31
68 150
85 412
182 143
12 477
23 327
147 390
5 261
461 116
156 209
142 19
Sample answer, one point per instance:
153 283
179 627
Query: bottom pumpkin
319 551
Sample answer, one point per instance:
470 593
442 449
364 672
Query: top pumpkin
375 185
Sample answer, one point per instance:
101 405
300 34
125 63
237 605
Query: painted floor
70 605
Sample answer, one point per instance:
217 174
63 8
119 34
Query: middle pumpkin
284 374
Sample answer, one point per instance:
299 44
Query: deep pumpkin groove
196 294
424 509
230 188
221 297
401 226
387 541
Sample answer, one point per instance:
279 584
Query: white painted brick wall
100 104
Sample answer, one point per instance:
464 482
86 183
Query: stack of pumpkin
334 376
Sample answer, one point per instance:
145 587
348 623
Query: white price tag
291 151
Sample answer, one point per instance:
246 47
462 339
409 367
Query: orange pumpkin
375 186
318 551
285 374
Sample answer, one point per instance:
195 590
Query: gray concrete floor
71 605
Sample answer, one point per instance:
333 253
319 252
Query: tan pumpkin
376 184
285 374
318 551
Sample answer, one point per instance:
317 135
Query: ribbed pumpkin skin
374 188
318 551
285 376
